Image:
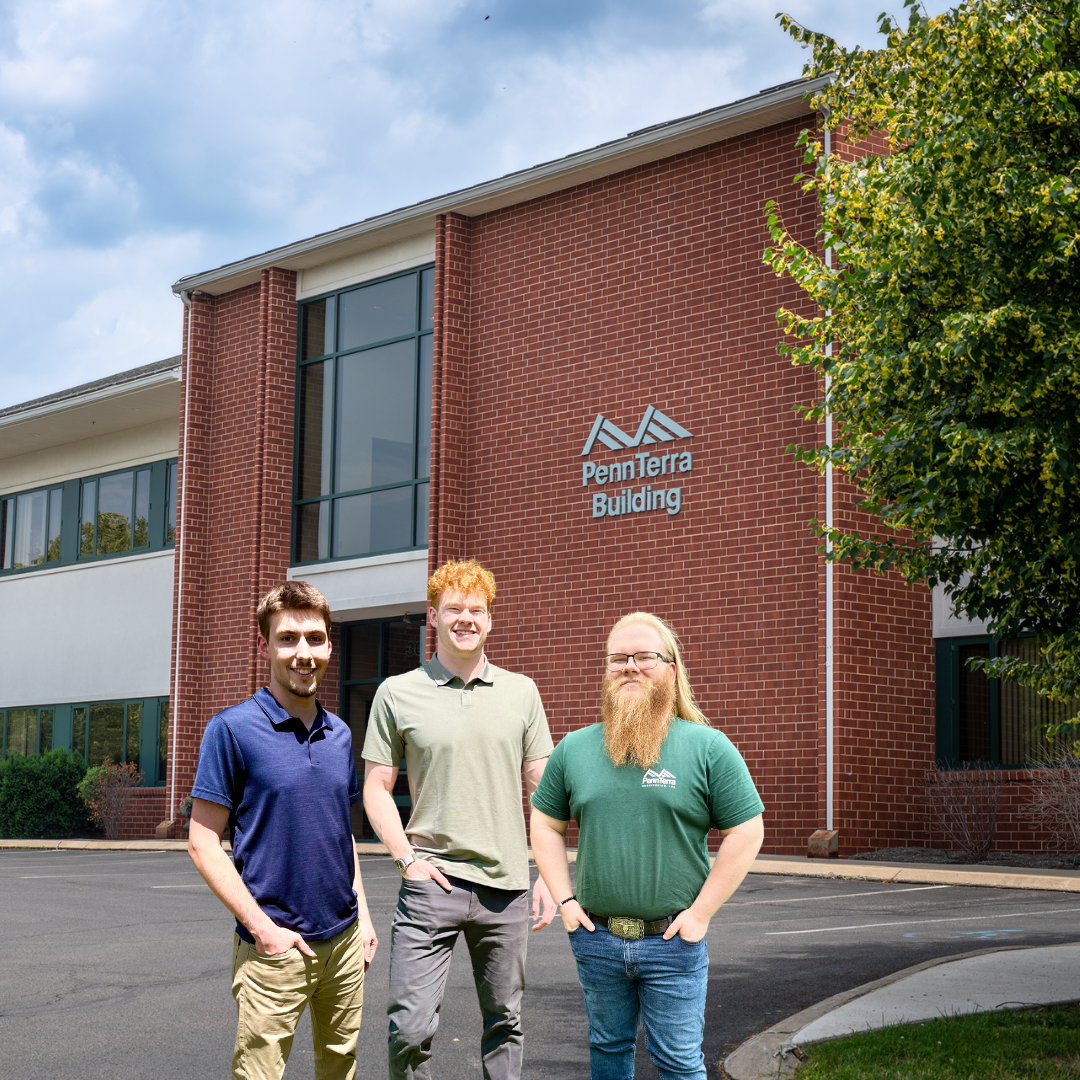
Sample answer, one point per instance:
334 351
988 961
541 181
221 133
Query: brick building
571 374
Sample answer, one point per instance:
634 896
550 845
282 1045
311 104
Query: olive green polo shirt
464 746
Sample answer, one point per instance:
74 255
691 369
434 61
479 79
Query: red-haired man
468 732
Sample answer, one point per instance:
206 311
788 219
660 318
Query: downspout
260 457
829 583
185 297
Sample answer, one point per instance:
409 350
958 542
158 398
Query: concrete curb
138 845
998 877
767 1056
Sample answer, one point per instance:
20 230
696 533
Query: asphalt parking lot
116 964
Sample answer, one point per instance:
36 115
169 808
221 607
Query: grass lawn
1035 1043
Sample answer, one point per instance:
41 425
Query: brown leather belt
630 929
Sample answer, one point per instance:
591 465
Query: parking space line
107 873
840 896
197 885
919 922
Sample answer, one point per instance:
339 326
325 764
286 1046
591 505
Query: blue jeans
660 982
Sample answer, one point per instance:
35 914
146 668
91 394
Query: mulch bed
1042 861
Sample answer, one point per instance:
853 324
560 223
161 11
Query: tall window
363 419
990 720
373 652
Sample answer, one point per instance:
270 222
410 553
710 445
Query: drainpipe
829 584
185 297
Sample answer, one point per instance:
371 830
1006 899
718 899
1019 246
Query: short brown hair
467 576
291 596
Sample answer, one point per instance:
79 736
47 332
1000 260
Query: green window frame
132 729
373 650
117 513
989 720
362 446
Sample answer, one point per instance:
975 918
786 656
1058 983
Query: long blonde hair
685 706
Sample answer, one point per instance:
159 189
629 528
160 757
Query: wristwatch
404 864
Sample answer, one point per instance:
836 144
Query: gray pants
426 925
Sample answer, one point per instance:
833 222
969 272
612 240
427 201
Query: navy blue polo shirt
289 791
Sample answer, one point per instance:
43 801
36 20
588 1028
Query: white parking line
197 885
920 922
106 873
839 896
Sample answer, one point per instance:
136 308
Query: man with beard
469 733
645 787
280 769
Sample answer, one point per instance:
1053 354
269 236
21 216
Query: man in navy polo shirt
280 769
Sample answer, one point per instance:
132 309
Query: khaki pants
271 992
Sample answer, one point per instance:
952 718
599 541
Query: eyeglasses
644 661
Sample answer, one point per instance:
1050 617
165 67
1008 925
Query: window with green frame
990 720
117 513
374 651
135 730
363 419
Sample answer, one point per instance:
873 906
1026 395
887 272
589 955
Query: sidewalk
998 877
982 981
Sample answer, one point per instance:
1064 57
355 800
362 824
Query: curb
769 1055
138 845
997 877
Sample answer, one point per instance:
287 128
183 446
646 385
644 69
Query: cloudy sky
141 140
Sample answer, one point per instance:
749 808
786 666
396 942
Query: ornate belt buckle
628 929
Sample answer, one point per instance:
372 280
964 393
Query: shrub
39 796
1054 799
963 800
106 790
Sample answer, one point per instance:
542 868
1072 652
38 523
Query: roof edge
126 382
649 144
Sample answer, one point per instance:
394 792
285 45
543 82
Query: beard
635 727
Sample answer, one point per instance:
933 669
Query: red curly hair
467 576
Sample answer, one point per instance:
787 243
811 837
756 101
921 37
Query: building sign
655 429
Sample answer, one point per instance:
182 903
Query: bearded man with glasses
645 787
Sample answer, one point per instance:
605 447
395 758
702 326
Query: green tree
948 324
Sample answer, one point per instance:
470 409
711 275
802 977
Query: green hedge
39 796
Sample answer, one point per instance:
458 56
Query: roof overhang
100 411
764 110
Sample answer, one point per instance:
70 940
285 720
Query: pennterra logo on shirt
652 778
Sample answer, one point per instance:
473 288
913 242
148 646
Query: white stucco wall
94 632
389 259
948 624
374 587
69 461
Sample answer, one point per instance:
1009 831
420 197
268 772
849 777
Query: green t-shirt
642 850
464 746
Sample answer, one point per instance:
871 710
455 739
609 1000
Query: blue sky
141 140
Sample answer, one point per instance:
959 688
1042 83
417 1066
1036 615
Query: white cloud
141 140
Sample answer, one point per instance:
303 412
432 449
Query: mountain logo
654 428
663 778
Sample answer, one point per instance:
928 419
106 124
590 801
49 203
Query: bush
39 796
963 800
1054 799
106 790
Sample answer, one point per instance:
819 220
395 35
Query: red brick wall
144 813
236 471
647 288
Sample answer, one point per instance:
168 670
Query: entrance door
375 650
